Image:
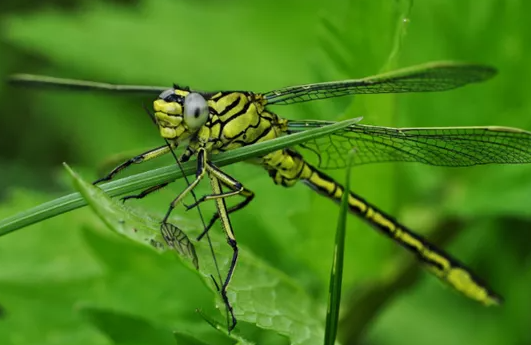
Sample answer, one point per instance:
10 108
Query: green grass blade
336 275
166 174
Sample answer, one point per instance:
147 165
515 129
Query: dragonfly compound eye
195 110
165 94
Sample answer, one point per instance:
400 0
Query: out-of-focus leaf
126 329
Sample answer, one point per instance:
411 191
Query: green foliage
68 281
264 296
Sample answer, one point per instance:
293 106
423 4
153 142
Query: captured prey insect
212 122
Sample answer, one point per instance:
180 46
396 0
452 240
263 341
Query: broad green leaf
259 293
127 329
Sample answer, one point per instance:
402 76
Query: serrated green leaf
260 294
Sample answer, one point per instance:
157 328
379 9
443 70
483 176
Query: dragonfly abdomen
291 167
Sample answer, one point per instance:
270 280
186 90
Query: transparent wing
442 146
435 76
81 85
176 239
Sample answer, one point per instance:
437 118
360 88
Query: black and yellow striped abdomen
289 167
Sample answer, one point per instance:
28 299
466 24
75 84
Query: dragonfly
206 123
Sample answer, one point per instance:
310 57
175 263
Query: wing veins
461 146
436 76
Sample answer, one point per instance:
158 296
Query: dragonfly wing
439 146
435 76
81 85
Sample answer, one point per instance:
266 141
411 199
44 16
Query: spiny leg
199 174
183 158
222 195
203 165
237 189
239 206
186 155
228 181
145 192
173 236
154 153
231 240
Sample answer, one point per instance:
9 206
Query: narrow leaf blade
336 275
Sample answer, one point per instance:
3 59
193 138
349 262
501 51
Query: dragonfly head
180 113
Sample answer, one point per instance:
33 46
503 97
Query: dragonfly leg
223 214
236 189
207 197
154 153
199 174
203 166
145 192
230 210
249 196
185 156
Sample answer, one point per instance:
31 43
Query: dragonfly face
218 121
180 113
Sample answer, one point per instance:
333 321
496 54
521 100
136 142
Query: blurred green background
64 281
